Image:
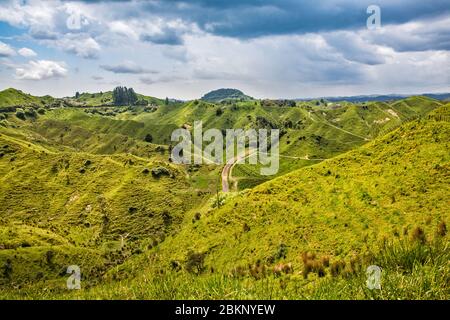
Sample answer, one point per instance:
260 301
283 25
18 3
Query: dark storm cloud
247 19
253 18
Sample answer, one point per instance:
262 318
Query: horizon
184 49
256 98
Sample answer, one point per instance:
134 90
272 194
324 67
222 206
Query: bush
442 229
49 255
419 235
30 112
41 111
195 262
160 171
7 269
20 113
148 138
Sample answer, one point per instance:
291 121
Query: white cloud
6 50
41 69
26 52
127 67
81 45
415 36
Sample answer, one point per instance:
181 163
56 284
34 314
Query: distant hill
383 98
106 98
14 97
225 94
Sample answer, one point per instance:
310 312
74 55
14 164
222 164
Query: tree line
123 96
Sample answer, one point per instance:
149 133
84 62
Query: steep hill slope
384 203
62 208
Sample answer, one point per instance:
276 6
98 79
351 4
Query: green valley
88 180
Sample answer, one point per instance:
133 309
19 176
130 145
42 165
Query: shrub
325 260
148 138
337 267
41 111
160 171
7 269
281 252
49 255
195 262
441 229
20 113
418 235
175 265
30 112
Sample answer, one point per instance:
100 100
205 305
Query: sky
266 48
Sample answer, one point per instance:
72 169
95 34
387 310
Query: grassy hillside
13 97
64 207
106 98
308 234
94 187
385 204
225 95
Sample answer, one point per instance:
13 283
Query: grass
13 97
77 188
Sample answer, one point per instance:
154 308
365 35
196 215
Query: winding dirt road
226 171
228 168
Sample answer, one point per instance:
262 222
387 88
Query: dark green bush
30 112
195 262
160 171
20 113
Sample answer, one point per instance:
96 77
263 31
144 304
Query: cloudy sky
267 48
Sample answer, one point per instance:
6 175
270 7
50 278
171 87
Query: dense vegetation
87 182
224 95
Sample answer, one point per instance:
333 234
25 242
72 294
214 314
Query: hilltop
99 99
224 95
14 97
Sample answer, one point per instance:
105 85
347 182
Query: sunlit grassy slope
106 98
384 203
13 97
96 210
85 188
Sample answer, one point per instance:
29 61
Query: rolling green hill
13 97
384 203
106 99
91 184
225 95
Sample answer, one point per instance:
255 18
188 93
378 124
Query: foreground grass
410 270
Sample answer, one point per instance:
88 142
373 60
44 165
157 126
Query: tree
20 113
148 138
132 96
167 101
77 95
